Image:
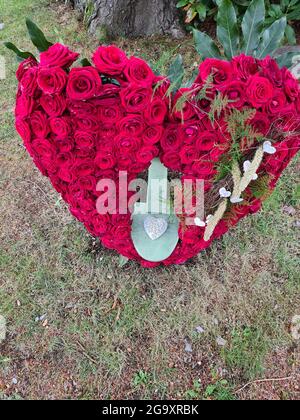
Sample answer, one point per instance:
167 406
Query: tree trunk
132 18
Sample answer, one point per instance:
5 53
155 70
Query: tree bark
133 18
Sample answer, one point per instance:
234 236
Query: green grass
112 332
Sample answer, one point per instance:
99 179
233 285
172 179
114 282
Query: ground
81 327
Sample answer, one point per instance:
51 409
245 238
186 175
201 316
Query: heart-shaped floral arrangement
236 127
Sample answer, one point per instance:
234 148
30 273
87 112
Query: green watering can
154 224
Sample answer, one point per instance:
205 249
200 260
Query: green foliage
220 391
141 378
256 39
271 38
205 46
197 10
176 73
227 29
246 351
21 55
37 38
290 9
252 26
194 393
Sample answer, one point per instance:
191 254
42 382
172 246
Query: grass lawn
80 326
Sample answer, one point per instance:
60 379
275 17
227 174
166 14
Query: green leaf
201 10
85 62
37 36
294 15
123 261
290 35
286 59
192 79
23 55
227 29
182 3
176 73
205 46
271 38
252 25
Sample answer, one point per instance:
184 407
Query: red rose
135 99
139 73
29 81
64 145
61 126
107 131
244 66
161 88
291 85
51 80
277 103
170 139
87 183
183 110
271 70
152 135
84 167
111 112
39 124
58 55
206 141
24 66
84 139
235 92
171 160
188 155
54 105
261 123
83 83
204 170
156 112
220 70
131 125
110 60
105 160
259 91
127 144
146 154
190 132
87 123
65 164
24 105
286 120
82 109
23 129
43 148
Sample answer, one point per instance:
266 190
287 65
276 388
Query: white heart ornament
268 148
155 227
247 165
236 200
224 193
199 222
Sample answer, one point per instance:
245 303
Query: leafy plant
194 393
284 8
38 39
220 391
141 378
247 351
254 40
197 9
